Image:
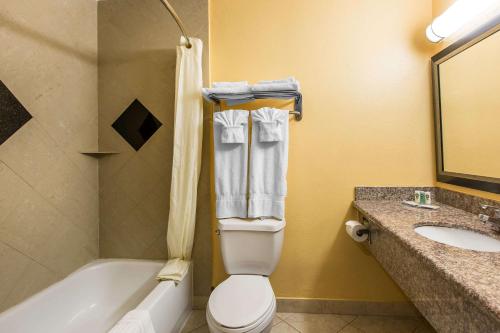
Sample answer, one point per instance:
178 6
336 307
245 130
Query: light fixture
456 16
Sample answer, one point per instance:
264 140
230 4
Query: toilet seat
242 303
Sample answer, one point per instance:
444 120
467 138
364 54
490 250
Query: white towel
230 84
227 90
231 161
135 321
277 85
268 166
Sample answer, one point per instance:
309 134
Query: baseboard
200 302
314 305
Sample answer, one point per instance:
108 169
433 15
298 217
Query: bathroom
92 145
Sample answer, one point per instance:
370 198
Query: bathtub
95 297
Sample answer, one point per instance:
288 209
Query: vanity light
458 14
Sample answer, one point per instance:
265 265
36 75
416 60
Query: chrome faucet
493 220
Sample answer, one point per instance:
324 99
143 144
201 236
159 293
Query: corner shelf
98 153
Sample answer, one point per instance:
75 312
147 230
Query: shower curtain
188 133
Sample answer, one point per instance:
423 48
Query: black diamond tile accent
136 124
13 115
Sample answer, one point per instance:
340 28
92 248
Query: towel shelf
297 96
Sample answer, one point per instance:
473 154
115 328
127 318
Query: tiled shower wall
137 54
48 191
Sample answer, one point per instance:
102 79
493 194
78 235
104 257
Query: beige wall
48 191
137 54
365 76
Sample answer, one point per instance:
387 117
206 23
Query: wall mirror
466 89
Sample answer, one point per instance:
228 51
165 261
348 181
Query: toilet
245 302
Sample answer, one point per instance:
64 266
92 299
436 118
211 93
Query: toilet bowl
245 302
242 304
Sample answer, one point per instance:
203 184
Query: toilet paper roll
352 228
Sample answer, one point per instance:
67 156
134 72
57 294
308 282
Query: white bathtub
94 298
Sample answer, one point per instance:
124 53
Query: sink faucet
493 220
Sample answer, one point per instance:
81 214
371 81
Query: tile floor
327 323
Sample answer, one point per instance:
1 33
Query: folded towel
229 84
270 122
268 166
232 130
290 79
227 90
174 270
135 321
230 161
279 86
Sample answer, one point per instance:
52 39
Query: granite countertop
475 274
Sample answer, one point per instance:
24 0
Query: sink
465 239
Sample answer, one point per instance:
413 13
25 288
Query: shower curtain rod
177 20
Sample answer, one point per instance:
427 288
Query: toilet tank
251 247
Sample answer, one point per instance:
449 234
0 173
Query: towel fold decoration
232 125
268 163
174 270
135 321
231 162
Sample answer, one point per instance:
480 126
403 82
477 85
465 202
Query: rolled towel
135 321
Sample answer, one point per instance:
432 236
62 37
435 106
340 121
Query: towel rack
297 96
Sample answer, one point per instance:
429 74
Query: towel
229 84
174 270
268 165
232 130
135 321
288 84
230 160
228 90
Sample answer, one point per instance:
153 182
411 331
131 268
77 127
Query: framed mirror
466 92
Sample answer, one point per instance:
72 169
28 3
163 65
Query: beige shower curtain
188 133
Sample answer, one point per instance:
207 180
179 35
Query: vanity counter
470 278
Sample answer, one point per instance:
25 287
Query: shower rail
178 20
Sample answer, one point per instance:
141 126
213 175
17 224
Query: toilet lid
241 300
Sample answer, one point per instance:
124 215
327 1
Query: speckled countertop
476 274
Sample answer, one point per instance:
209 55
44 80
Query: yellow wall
438 7
365 75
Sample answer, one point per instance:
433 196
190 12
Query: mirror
466 78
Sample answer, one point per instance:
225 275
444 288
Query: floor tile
350 329
283 327
276 320
202 329
424 327
383 324
314 323
196 320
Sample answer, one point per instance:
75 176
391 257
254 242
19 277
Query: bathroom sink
465 239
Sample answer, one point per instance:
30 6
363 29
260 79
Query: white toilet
245 301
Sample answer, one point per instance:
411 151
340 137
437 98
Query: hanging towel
231 159
135 321
268 164
186 161
232 121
